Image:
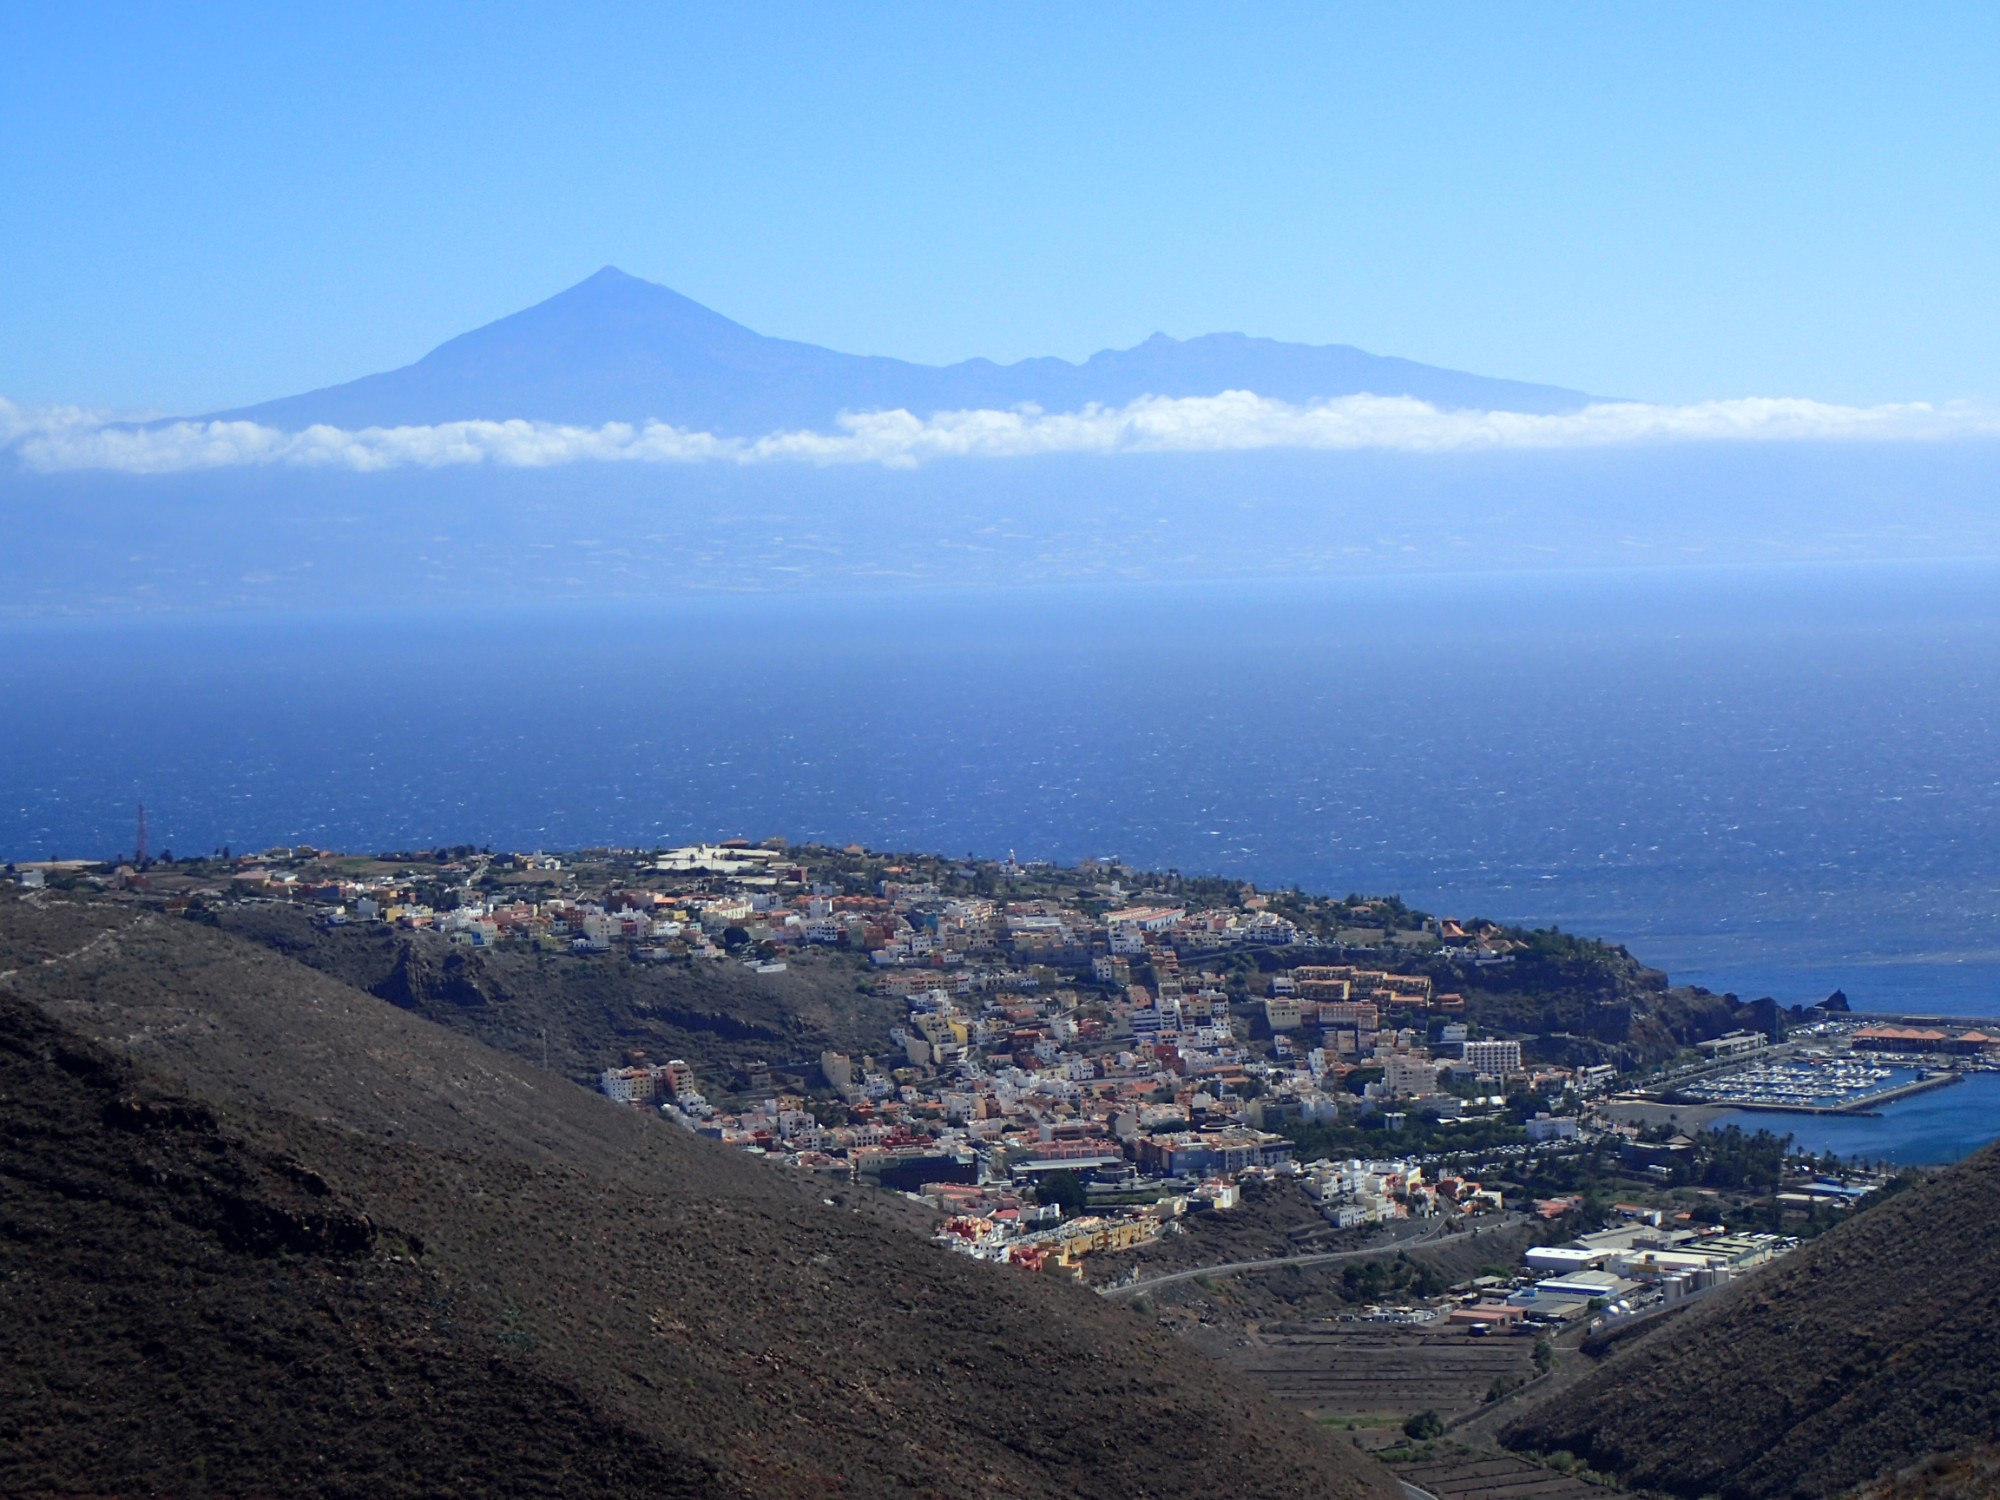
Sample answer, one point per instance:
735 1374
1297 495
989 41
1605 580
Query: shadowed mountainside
584 1012
185 1312
293 1212
1968 1474
1598 995
616 348
1863 1353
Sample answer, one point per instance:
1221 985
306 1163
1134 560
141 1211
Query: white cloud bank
51 439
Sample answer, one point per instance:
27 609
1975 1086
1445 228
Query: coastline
194 716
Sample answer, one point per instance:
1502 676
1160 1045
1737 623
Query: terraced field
1380 1369
1495 1477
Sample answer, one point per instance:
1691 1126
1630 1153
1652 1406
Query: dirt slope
184 1312
588 1297
584 1012
1861 1354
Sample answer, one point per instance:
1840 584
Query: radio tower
139 851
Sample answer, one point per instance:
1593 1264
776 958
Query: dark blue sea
1772 780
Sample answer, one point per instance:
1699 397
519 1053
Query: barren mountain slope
183 1311
581 1013
697 1307
1860 1354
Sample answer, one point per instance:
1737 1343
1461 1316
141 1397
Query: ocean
1922 1130
1769 780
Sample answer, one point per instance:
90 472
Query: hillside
1858 1356
616 348
1609 1006
1971 1474
184 1312
1592 1000
584 1013
296 1226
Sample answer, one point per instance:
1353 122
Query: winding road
1430 1234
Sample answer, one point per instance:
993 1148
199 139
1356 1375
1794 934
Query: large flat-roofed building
1408 1077
1561 1260
1735 1044
1570 1296
1498 1058
1491 1313
1281 1014
1582 1284
1192 1153
1741 1251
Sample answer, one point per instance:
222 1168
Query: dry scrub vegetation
256 1225
1865 1352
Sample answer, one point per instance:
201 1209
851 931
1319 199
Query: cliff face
256 1224
1606 1004
1861 1354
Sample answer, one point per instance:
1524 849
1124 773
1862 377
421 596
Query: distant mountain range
245 532
616 348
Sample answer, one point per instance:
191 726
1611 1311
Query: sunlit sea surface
1772 781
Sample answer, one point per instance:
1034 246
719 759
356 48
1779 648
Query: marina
1927 1128
1817 1083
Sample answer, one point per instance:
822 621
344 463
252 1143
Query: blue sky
215 204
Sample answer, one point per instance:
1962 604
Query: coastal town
1091 1060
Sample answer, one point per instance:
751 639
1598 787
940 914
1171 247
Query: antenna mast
139 844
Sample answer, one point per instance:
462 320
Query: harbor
1817 1083
1925 1128
1865 1104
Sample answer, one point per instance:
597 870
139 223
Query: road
1432 1232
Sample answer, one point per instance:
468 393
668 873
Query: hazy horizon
620 439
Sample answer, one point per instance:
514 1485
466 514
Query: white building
1735 1044
1547 1127
633 1086
1563 1260
1497 1058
